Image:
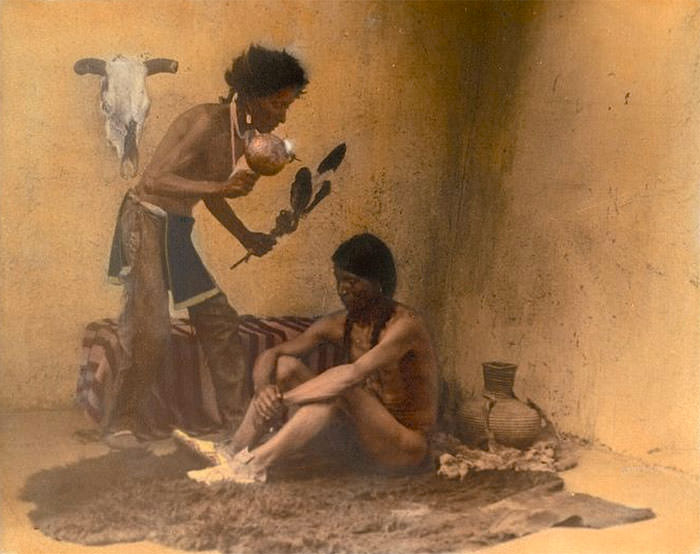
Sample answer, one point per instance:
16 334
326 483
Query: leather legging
142 393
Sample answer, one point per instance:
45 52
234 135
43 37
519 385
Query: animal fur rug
136 495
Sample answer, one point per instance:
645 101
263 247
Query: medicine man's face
355 292
267 112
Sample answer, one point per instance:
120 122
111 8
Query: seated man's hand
267 402
259 243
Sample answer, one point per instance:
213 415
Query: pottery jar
498 412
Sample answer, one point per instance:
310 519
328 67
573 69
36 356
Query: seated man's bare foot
209 451
238 470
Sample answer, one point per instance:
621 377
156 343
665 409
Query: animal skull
124 101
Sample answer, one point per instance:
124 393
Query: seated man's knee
290 370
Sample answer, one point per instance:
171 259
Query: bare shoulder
407 325
330 326
408 328
200 117
408 317
204 111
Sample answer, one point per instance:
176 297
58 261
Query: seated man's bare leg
289 373
249 431
308 421
249 467
388 442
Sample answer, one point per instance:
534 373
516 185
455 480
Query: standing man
387 387
198 159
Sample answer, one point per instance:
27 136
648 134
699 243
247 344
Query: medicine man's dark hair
367 256
261 72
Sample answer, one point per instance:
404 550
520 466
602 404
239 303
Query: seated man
387 386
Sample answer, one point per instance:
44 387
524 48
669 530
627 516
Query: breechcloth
184 273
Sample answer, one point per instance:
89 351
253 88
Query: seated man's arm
317 333
399 340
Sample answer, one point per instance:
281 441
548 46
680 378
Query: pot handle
489 402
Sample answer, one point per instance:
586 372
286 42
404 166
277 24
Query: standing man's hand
240 183
259 243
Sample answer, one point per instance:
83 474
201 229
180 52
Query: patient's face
355 292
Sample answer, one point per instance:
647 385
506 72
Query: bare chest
217 157
360 341
212 161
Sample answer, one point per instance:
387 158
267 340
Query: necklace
235 129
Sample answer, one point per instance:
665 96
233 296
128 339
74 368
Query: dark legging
216 323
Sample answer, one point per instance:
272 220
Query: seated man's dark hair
261 72
367 256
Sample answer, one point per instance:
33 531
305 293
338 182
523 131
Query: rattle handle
243 259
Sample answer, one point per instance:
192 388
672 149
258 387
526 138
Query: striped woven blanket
194 389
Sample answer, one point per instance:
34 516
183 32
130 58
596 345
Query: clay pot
267 154
498 412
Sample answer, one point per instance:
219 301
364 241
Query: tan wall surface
382 79
539 213
576 246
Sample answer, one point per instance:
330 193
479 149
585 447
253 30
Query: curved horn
90 65
160 65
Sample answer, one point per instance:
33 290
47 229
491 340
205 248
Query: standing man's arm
177 151
257 243
179 147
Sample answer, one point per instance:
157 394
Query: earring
248 119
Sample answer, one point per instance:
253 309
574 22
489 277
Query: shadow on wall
488 135
485 128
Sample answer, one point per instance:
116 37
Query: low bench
193 388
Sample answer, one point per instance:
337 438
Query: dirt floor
31 442
135 495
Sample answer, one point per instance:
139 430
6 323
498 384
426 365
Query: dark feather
332 160
300 194
324 191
